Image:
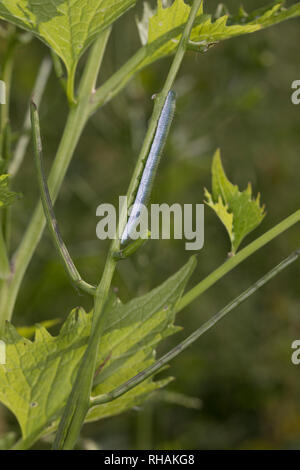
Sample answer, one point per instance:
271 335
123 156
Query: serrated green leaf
239 213
35 375
38 376
268 15
7 197
160 30
67 26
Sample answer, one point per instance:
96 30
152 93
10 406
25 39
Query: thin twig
48 207
124 388
37 94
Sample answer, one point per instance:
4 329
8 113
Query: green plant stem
114 84
6 211
105 93
78 402
4 261
6 76
117 81
158 105
114 394
70 86
24 444
181 48
124 388
59 244
23 141
76 121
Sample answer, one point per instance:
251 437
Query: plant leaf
237 210
67 26
160 30
35 375
7 197
134 330
38 376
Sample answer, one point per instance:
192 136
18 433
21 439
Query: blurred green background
236 97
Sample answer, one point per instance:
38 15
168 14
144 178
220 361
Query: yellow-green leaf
237 210
160 30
